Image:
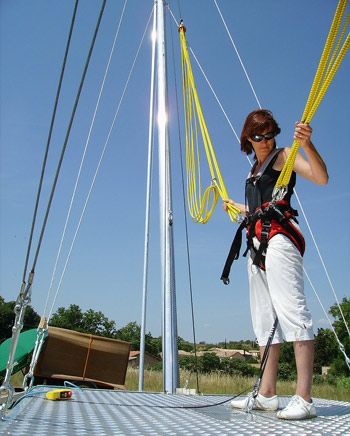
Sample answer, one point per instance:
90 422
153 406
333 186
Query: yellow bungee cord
200 207
318 90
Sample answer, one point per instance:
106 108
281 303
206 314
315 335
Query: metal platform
107 413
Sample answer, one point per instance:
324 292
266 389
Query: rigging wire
83 158
185 212
49 140
67 134
239 57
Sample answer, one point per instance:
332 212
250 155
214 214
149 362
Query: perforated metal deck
107 413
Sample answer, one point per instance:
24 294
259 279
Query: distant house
134 359
255 354
188 353
224 353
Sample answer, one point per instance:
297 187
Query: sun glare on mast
162 117
153 35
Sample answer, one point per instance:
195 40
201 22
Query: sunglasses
259 138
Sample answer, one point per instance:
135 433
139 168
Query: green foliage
98 324
343 383
7 318
287 365
209 362
89 322
239 368
184 345
71 318
318 380
238 345
326 349
338 365
287 354
132 333
188 363
286 371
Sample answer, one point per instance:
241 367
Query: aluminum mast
169 324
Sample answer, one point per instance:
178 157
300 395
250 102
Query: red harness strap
282 225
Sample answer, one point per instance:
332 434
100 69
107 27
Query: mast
169 321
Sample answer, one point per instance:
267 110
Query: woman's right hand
241 207
226 202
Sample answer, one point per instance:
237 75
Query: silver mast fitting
169 324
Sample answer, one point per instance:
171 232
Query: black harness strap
234 251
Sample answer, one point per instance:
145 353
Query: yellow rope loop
200 207
318 89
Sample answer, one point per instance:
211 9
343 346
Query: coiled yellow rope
318 89
200 207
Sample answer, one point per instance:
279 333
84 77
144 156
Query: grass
229 385
220 384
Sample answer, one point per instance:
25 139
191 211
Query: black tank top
260 192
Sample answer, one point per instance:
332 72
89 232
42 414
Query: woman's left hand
302 134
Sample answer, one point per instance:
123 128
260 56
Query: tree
237 367
71 318
132 333
89 322
287 364
338 366
7 317
287 354
326 349
184 345
95 323
209 362
187 363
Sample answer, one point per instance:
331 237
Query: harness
268 220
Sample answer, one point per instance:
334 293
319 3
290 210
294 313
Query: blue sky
280 43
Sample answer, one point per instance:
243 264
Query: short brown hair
256 123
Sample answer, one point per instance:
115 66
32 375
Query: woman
276 273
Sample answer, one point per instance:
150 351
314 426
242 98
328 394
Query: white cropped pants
279 291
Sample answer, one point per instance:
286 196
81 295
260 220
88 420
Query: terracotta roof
134 353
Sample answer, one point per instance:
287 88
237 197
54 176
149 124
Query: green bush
343 383
237 367
318 380
286 371
209 362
